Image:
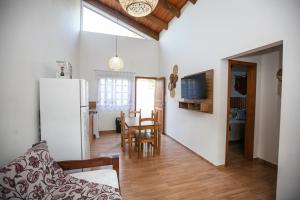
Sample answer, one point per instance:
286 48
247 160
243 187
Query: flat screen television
194 87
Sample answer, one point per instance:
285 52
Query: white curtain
114 90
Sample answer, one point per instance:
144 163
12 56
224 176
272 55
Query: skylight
94 22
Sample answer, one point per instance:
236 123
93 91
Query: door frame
164 95
250 108
164 102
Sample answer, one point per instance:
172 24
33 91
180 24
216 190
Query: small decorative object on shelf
65 69
62 73
173 80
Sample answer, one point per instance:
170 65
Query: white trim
81 15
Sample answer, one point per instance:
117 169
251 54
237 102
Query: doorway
150 96
240 110
145 95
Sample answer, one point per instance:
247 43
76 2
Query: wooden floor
180 174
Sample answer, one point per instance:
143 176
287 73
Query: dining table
133 124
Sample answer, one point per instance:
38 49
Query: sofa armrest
95 162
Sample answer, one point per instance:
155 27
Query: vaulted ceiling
150 25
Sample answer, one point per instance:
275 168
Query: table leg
130 141
159 143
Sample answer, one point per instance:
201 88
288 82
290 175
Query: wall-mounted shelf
205 105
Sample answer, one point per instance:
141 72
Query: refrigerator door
60 117
84 97
85 143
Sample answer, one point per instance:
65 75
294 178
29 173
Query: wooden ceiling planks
193 1
165 4
150 25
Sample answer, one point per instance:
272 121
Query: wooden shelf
205 105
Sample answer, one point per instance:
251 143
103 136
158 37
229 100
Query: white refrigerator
64 115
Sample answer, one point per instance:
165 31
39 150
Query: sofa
35 175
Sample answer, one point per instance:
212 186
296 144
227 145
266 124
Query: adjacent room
149 99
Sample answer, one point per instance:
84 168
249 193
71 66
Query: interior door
250 106
250 114
159 102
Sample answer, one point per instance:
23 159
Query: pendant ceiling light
138 8
116 63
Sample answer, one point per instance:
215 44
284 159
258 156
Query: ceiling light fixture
138 8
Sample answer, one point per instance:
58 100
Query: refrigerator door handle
85 148
84 93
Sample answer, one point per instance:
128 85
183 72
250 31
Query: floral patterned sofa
35 175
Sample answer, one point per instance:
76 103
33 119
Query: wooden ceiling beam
124 18
170 7
193 1
157 21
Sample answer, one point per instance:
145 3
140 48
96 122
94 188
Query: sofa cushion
36 176
103 176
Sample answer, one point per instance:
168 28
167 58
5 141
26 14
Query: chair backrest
122 122
132 113
152 127
154 114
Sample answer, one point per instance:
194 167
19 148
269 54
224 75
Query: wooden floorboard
180 174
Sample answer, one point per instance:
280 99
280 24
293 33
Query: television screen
194 87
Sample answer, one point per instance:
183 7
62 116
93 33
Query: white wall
212 30
268 111
33 35
140 56
267 106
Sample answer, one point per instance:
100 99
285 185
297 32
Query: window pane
94 22
119 88
125 82
118 95
125 89
119 102
119 82
102 88
102 102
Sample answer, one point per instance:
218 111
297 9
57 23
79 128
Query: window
114 90
95 22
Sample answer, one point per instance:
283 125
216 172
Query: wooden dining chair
147 135
154 114
124 132
133 113
158 133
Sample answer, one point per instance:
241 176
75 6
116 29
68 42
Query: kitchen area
68 121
